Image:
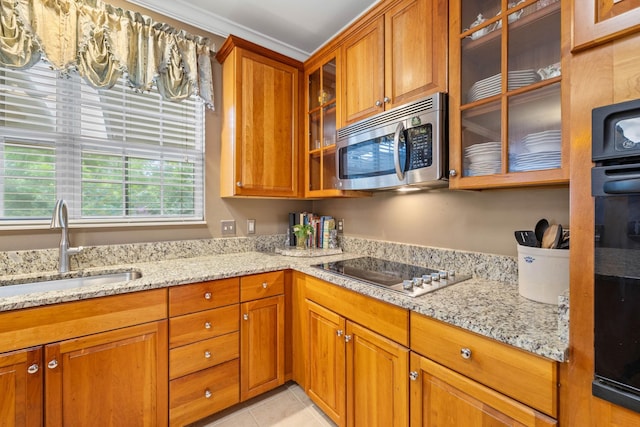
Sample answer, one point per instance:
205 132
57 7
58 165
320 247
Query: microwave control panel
420 145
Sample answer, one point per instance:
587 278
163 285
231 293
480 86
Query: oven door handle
623 186
396 151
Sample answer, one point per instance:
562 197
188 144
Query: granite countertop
490 308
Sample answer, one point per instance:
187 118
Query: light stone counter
488 307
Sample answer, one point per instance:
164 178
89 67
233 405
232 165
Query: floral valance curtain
102 43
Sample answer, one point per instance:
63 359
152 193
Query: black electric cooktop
392 275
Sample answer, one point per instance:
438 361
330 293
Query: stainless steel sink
69 283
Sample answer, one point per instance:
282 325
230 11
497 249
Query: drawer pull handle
245 316
339 332
52 364
413 375
264 285
208 394
207 295
207 325
33 368
207 355
465 353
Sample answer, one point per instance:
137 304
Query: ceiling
295 28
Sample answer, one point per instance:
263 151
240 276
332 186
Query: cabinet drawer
203 325
202 296
261 285
523 376
201 394
203 354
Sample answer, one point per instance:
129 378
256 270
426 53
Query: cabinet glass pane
328 93
474 12
481 140
314 130
535 130
329 125
481 64
329 175
314 89
534 44
315 168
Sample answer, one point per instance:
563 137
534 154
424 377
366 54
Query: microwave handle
396 151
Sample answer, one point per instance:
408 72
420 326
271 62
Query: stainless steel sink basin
69 283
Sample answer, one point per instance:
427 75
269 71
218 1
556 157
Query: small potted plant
302 232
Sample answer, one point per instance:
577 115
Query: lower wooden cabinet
444 398
21 374
96 362
119 376
326 380
356 376
262 346
204 349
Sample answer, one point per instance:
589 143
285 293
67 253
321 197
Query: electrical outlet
340 225
251 226
228 227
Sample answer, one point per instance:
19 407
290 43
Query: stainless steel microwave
405 146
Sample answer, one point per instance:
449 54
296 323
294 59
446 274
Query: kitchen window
116 155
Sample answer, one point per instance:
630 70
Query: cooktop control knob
443 275
435 277
426 280
417 282
452 274
407 285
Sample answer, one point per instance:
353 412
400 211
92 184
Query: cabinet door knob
52 364
33 368
207 325
453 172
239 184
245 316
386 99
208 394
465 353
347 338
378 103
207 355
264 285
413 375
207 295
339 332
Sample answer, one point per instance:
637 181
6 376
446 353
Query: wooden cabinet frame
599 21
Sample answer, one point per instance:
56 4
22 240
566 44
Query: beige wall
482 221
476 221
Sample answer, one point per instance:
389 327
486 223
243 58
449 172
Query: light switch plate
251 226
228 227
340 225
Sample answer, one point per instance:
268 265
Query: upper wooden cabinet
260 131
394 57
506 100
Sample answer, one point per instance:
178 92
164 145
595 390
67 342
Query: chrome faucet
60 220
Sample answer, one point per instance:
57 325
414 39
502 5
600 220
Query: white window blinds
115 155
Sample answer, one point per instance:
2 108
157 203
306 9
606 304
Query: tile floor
286 406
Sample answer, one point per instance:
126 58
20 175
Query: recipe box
543 274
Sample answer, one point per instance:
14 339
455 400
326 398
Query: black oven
616 191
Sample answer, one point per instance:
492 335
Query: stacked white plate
543 152
483 159
492 85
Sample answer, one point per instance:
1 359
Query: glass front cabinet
322 121
506 98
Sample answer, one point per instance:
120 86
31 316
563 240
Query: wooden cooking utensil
552 236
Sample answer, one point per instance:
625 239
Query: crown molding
185 12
